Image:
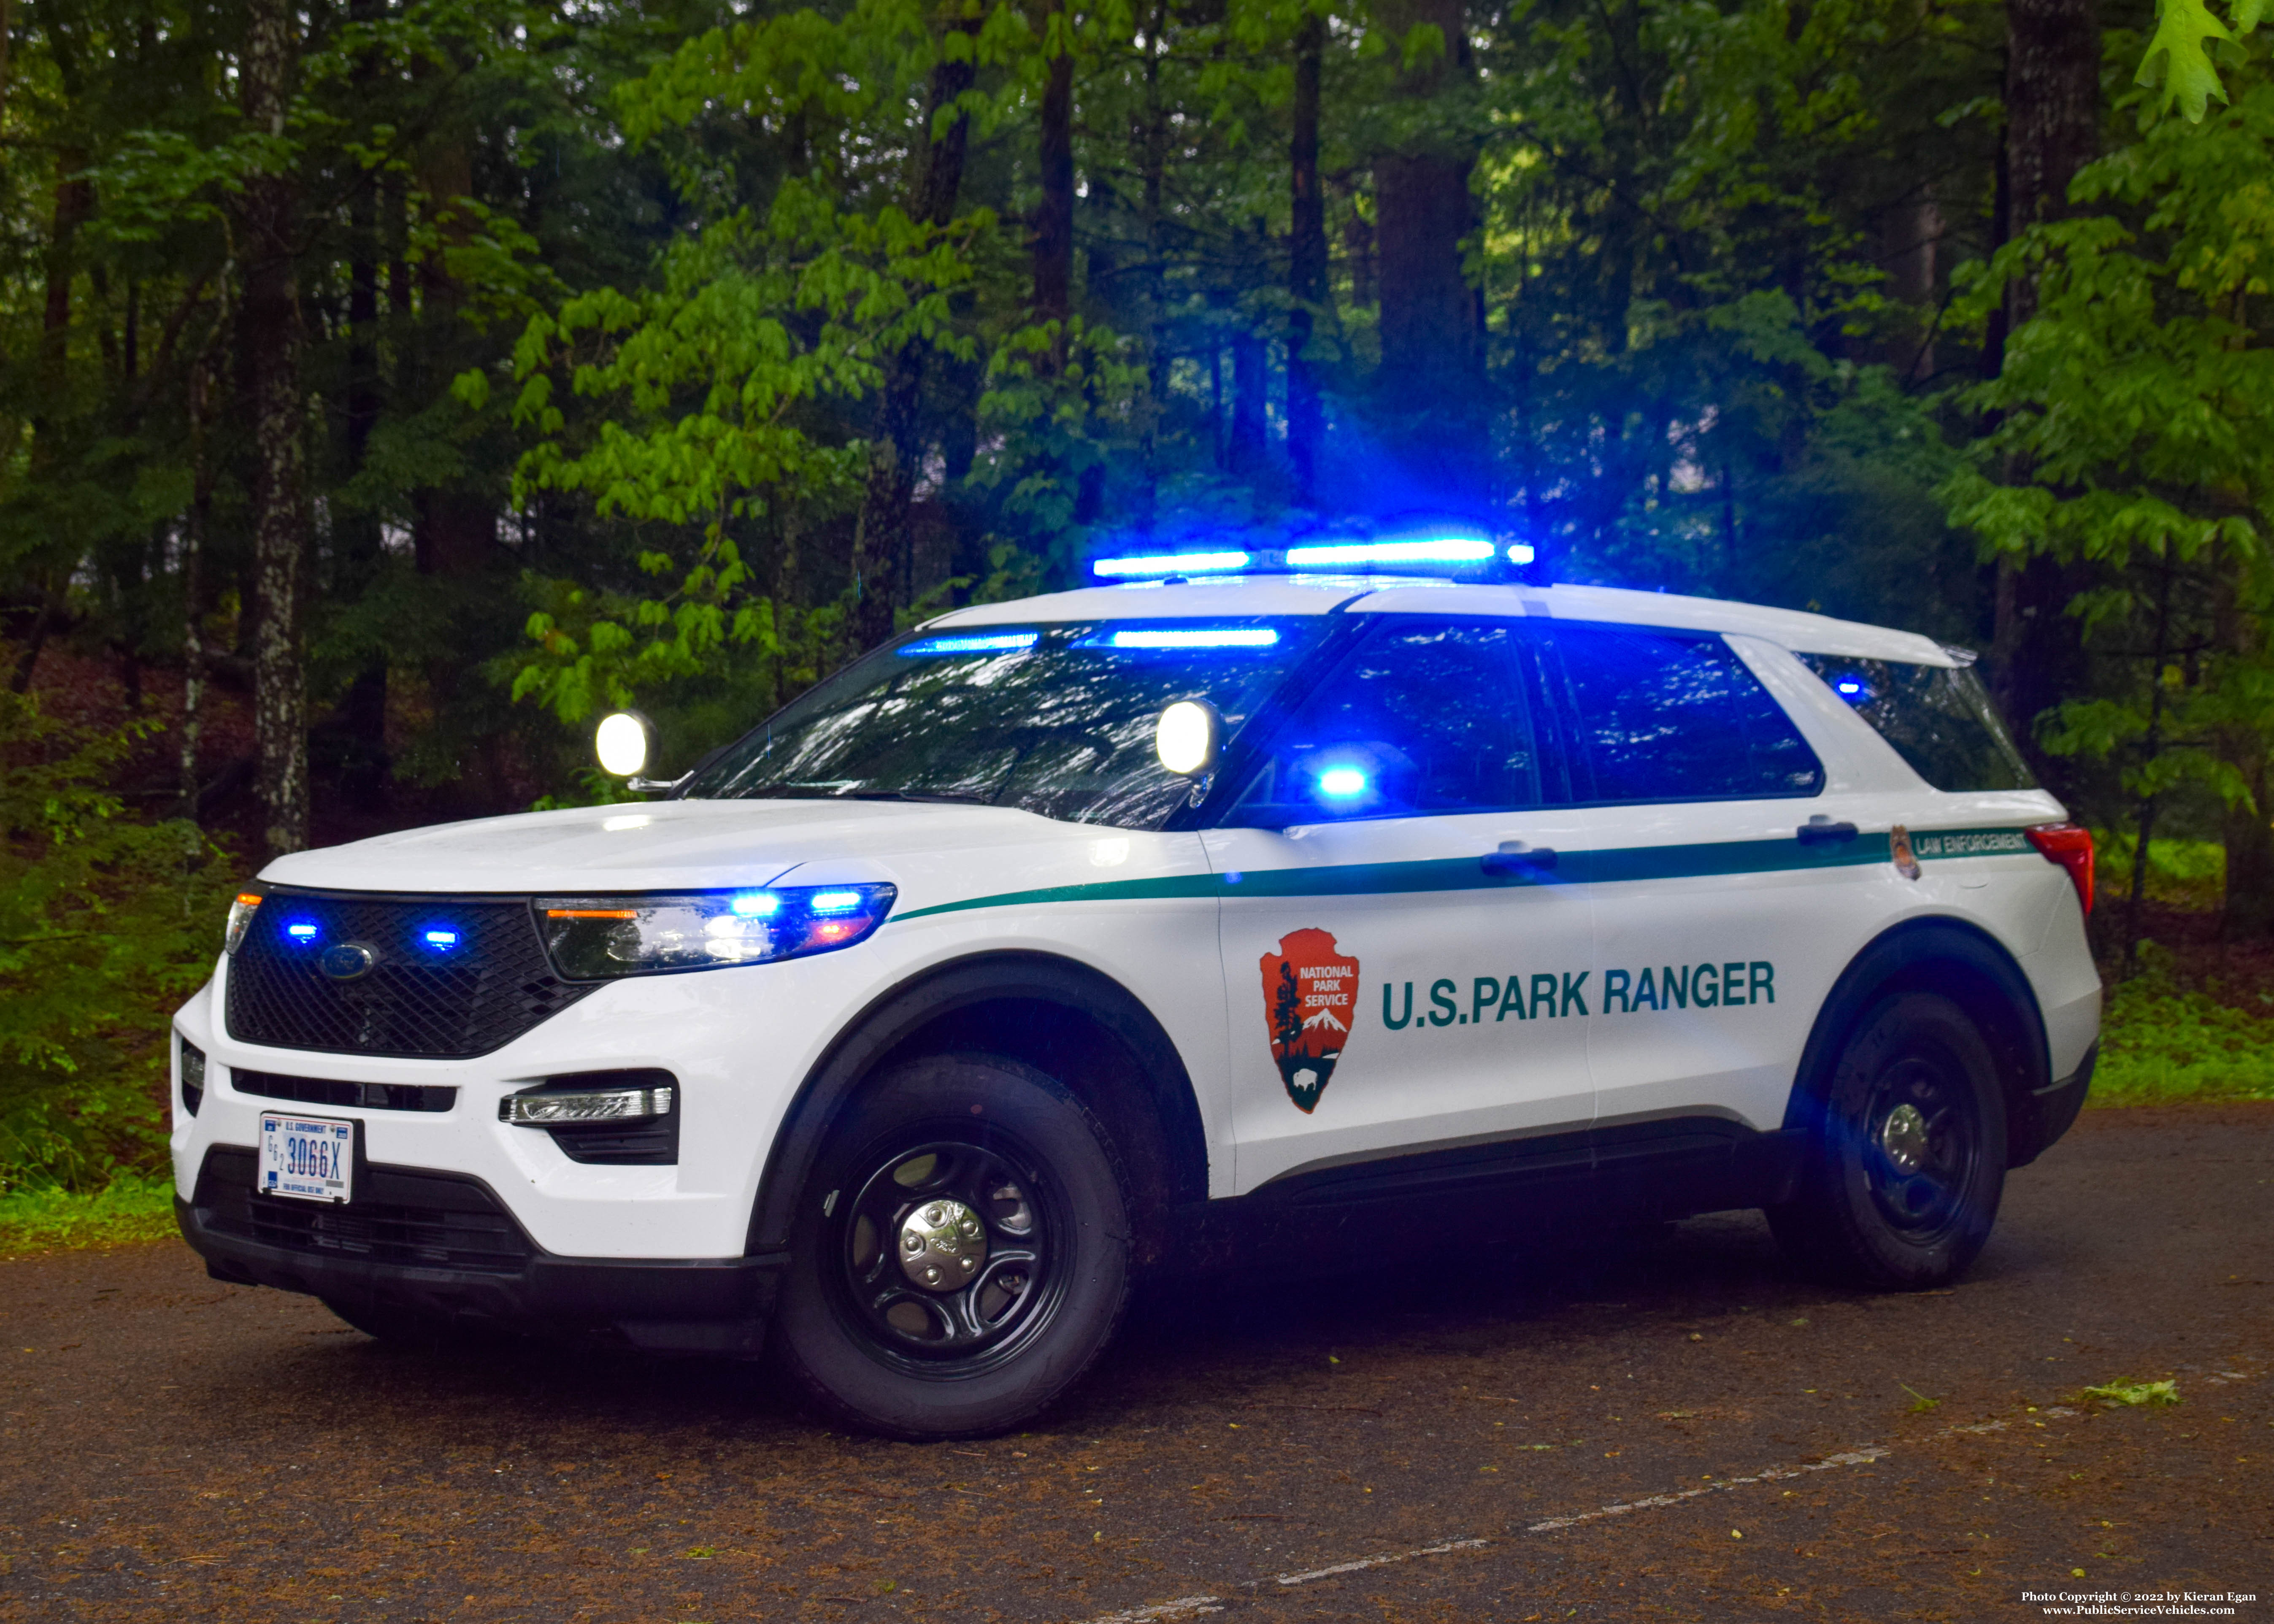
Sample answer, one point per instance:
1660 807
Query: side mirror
625 743
1189 738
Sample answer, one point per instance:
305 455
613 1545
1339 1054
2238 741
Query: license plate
308 1158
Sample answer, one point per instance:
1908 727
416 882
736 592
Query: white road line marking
1182 1606
1861 1456
1376 1562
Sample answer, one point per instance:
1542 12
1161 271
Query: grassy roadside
50 1220
2161 1044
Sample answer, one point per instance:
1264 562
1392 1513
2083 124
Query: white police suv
900 1031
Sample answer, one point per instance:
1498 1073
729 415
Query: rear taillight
2069 845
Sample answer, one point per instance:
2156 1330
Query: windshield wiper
815 792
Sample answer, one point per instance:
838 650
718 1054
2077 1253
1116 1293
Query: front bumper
443 1244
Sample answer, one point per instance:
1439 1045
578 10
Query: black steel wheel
960 1254
1907 1158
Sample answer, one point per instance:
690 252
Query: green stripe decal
1704 861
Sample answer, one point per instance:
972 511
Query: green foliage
105 923
48 1217
2179 53
2160 1043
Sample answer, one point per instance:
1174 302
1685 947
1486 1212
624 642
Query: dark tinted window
1939 717
1423 717
1670 716
1055 720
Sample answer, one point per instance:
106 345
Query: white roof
1210 598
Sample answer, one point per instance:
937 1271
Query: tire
1008 1318
1908 1160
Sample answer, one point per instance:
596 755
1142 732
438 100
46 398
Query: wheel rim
948 1260
1922 1143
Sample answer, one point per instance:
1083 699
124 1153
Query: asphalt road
1679 1432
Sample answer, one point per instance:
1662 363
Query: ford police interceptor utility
896 1034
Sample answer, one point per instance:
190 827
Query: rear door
1397 980
1728 880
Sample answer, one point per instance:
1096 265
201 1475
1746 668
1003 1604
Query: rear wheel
1903 1178
961 1253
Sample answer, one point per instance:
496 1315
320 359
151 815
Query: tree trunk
356 533
2052 118
1306 262
881 538
269 328
1430 362
1053 240
1251 384
2249 839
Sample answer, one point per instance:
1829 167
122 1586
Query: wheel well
1068 1021
1964 965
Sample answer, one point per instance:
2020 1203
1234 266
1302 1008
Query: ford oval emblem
349 960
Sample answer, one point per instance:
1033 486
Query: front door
1406 968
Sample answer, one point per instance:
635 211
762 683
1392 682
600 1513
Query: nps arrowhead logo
1310 997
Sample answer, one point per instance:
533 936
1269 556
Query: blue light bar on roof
1520 552
1142 566
1193 637
1435 549
973 642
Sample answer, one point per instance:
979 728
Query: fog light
193 1077
561 1107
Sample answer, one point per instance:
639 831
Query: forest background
387 386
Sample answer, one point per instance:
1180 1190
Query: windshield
1053 719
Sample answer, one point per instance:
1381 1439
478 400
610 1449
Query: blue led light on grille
439 939
301 931
1433 550
1144 565
973 642
1342 782
835 901
756 905
1193 637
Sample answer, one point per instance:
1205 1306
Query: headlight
590 937
240 919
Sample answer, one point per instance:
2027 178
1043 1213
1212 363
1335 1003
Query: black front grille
330 1091
415 999
398 1216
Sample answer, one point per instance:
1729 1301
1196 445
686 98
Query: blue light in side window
301 931
1853 689
439 939
835 901
1193 637
1342 783
1142 565
973 642
1432 550
756 905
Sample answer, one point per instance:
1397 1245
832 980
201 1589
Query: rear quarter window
1674 716
1940 719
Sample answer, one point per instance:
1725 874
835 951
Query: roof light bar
1194 637
1433 550
1144 566
976 643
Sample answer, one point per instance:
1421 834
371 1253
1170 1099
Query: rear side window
1422 717
1674 716
1940 718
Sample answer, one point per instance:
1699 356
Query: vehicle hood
662 845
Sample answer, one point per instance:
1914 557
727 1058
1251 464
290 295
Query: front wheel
1908 1160
960 1253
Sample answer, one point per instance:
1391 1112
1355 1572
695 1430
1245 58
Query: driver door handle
1821 830
1515 857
